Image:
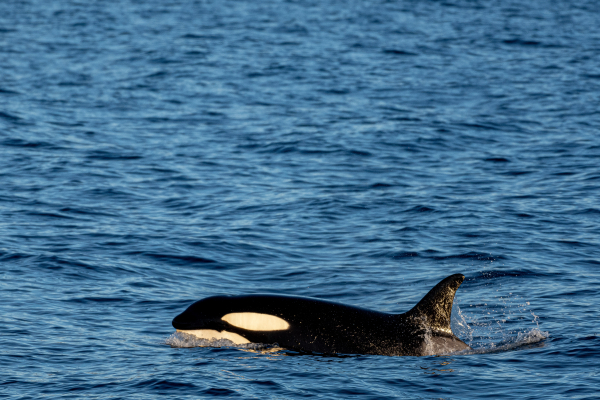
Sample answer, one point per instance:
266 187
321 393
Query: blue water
153 153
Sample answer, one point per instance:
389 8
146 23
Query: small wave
186 340
7 91
13 256
473 256
9 117
179 260
12 142
381 185
420 209
163 385
497 159
522 42
109 155
399 52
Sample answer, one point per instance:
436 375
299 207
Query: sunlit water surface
153 153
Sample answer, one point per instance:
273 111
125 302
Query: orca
312 325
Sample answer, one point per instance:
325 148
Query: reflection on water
433 371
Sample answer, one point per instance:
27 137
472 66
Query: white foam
183 340
210 334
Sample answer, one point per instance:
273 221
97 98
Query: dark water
154 153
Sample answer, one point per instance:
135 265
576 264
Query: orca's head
199 315
186 320
228 312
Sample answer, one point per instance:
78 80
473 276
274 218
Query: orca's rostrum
313 325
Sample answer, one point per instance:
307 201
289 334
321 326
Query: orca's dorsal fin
435 309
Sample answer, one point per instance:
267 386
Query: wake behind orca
313 325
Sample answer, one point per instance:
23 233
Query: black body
326 327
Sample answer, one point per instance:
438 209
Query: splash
186 340
490 334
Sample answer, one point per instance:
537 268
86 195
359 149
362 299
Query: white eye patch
209 334
256 322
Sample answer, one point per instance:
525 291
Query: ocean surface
153 153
